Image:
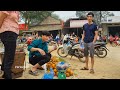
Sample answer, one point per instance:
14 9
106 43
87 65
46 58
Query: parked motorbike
116 43
69 48
72 49
51 43
100 49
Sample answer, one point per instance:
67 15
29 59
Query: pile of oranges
53 63
69 72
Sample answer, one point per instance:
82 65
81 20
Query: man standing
9 30
90 33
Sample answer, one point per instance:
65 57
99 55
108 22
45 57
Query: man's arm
32 48
3 15
38 49
95 37
83 35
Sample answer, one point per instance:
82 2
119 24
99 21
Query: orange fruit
53 66
71 73
52 60
57 73
48 65
55 70
53 63
53 57
67 74
57 60
68 70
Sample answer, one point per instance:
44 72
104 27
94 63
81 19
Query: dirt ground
105 68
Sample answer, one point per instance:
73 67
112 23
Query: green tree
55 16
34 17
81 13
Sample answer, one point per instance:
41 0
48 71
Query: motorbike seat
99 43
75 44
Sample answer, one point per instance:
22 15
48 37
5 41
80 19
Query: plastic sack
81 45
62 66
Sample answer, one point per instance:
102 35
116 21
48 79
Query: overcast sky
64 15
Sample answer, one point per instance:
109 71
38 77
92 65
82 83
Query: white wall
113 19
105 29
77 23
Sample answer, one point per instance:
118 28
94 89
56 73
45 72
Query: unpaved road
105 68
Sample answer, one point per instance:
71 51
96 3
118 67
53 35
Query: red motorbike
116 43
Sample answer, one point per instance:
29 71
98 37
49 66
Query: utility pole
100 16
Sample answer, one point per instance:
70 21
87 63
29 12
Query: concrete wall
113 19
105 29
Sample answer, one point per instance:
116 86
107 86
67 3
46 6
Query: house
74 25
54 26
111 26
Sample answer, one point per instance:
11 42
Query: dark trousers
8 38
41 60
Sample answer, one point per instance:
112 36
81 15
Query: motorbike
116 43
74 49
70 48
101 49
51 43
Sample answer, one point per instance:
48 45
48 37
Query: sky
64 15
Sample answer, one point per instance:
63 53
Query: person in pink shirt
9 30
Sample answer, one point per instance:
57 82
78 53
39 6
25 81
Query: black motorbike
101 49
75 50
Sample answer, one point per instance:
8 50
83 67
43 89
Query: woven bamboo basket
18 64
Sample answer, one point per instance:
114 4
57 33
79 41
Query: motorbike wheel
80 58
61 52
51 43
83 61
104 51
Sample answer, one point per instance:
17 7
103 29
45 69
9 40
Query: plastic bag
49 75
62 66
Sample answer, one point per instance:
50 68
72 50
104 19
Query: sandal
92 71
34 73
84 68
